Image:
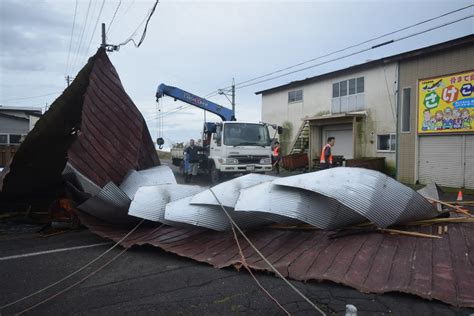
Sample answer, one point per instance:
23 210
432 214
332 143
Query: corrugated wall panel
469 162
441 160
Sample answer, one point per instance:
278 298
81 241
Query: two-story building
373 111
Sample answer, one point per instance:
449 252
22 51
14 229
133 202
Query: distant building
372 110
15 123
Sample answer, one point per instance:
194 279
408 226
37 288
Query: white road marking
53 251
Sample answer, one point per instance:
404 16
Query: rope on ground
75 272
234 224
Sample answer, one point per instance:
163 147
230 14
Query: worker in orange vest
276 157
326 155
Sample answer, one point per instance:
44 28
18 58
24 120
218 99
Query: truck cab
237 147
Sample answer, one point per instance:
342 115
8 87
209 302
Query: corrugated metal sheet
370 193
150 201
111 205
440 269
210 216
228 192
153 176
469 162
444 167
114 137
86 185
306 206
431 191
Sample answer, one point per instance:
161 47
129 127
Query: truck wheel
214 174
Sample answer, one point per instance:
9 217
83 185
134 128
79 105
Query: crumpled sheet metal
431 191
148 177
303 205
228 192
210 216
110 205
150 201
370 193
86 184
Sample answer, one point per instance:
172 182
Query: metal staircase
301 142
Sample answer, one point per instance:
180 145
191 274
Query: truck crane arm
178 94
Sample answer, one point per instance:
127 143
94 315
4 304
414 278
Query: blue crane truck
230 146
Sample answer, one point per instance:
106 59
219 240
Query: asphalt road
147 280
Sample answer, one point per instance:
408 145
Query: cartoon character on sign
457 120
428 121
448 121
466 119
439 120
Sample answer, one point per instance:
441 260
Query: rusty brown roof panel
440 269
114 136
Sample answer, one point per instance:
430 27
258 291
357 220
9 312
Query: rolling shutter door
441 160
469 162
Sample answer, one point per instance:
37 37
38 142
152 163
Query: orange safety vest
323 160
276 151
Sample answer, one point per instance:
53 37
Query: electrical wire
32 97
234 224
346 48
358 52
82 36
75 272
70 41
113 17
142 38
95 28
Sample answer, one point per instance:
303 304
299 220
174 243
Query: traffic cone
459 196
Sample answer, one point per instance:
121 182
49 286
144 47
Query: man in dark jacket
193 158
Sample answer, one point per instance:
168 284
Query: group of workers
191 157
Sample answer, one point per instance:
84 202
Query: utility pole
233 96
225 92
103 36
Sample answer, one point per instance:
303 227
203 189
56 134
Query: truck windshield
244 134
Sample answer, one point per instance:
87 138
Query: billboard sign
446 104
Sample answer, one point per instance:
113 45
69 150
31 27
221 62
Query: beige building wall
411 70
379 98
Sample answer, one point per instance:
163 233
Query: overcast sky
200 46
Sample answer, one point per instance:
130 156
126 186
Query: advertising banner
446 104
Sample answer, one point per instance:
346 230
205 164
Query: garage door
344 143
447 160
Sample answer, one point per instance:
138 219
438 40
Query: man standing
326 155
193 160
276 157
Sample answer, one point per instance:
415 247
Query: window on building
295 96
406 93
335 90
352 86
3 139
15 138
343 87
386 142
348 95
360 85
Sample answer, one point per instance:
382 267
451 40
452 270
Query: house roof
27 109
461 41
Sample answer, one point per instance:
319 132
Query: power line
95 27
142 38
113 17
357 52
215 92
32 97
82 36
70 41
